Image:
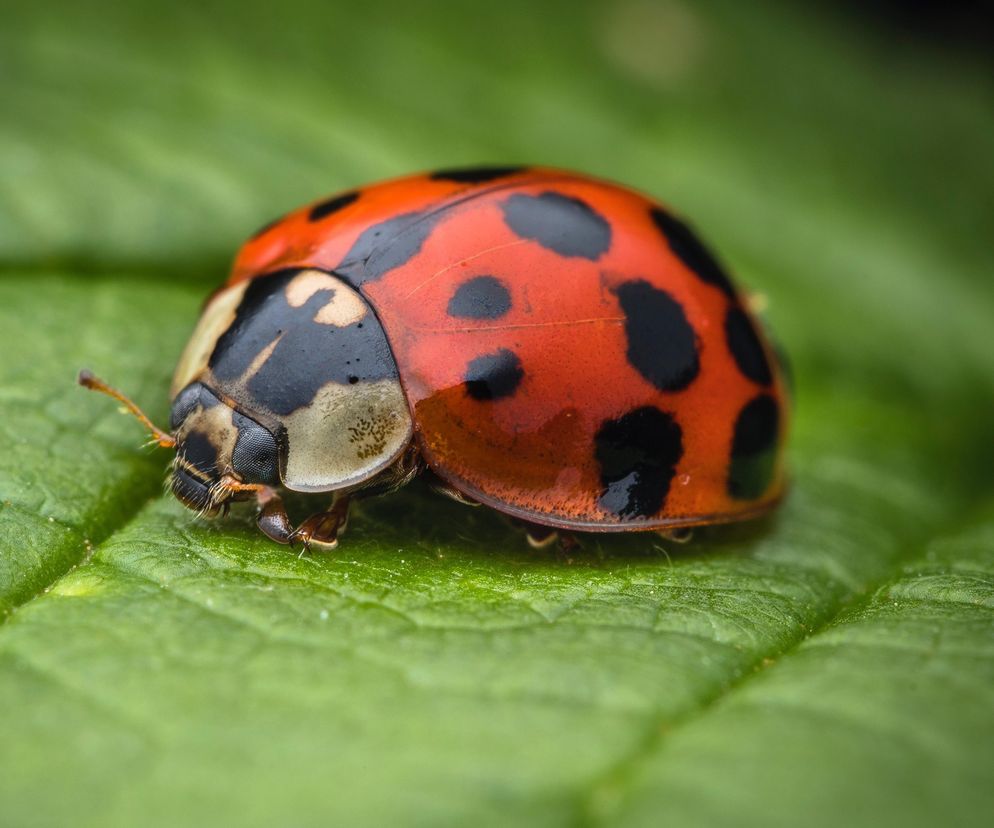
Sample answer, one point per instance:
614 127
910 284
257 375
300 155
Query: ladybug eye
255 454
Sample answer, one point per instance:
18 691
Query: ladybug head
221 454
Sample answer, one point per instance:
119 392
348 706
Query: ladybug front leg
323 529
272 519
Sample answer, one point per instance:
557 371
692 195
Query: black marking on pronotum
331 205
475 175
754 447
306 354
637 454
482 297
561 223
691 251
662 345
746 347
386 245
493 376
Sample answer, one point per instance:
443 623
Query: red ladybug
559 348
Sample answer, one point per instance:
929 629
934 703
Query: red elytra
571 353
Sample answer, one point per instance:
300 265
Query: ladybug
556 347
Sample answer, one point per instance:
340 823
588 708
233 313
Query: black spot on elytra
637 454
662 346
561 223
745 346
384 246
331 205
482 297
691 251
492 376
475 175
256 453
307 355
754 448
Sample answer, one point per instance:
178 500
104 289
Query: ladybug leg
540 537
442 487
679 534
323 529
272 519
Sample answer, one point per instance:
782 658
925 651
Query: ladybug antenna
87 380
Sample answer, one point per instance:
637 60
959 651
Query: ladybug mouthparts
194 492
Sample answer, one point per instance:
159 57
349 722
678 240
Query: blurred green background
834 664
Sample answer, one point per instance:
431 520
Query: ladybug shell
571 354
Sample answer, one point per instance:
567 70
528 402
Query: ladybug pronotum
558 348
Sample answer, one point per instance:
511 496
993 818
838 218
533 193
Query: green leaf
830 665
